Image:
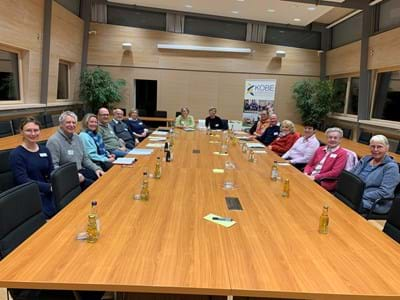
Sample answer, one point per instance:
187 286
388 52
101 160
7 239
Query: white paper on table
255 145
138 151
155 145
124 161
157 138
159 133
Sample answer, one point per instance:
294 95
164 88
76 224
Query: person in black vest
213 121
271 132
121 129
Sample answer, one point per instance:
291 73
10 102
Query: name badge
276 133
333 155
70 152
216 125
43 154
126 129
141 123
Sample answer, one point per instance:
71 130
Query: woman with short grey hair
380 174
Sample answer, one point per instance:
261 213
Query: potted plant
314 99
98 89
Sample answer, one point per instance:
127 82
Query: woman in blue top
380 174
32 162
93 142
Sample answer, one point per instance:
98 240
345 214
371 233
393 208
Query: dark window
293 38
340 86
348 31
216 28
71 5
63 82
387 96
352 106
136 18
389 14
9 76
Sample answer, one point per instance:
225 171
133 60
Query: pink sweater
333 166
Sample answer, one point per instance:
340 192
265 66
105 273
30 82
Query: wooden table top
360 149
165 246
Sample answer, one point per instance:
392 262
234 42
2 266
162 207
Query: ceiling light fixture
203 48
280 53
271 10
311 8
235 12
188 6
296 19
127 46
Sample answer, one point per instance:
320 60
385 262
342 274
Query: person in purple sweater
32 162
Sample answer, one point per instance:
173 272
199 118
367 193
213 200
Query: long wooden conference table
165 246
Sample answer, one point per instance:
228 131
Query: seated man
304 148
113 144
213 121
121 128
261 125
136 125
271 132
328 161
66 146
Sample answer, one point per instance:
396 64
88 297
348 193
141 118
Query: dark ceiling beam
354 4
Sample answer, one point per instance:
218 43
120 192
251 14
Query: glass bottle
167 155
157 171
251 157
93 211
144 193
324 220
208 132
91 230
274 171
166 147
244 148
229 175
286 188
171 153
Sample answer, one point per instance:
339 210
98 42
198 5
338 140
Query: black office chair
178 113
142 112
160 113
65 183
398 148
15 125
392 226
364 137
225 125
349 190
45 120
347 133
371 215
5 128
6 176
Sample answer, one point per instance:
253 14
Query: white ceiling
275 11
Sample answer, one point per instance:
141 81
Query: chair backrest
347 133
20 215
224 124
6 175
5 128
65 183
398 148
160 113
349 189
178 113
15 125
364 137
352 160
392 226
142 112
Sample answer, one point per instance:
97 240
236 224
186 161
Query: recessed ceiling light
311 8
235 12
271 10
188 6
240 0
296 19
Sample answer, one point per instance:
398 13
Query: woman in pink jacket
328 161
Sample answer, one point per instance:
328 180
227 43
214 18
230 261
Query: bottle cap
94 202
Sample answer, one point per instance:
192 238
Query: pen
222 219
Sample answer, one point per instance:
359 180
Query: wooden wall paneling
344 59
384 48
65 44
21 25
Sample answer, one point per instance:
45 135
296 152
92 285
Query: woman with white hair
287 137
328 161
380 174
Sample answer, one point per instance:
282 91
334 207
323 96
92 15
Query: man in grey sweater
66 146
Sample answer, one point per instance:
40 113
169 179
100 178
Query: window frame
19 54
69 65
348 78
383 122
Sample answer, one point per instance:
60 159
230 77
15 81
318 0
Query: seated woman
328 161
287 137
380 174
93 143
303 149
261 125
32 162
184 120
136 125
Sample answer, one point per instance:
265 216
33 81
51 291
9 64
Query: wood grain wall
66 41
21 28
198 80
